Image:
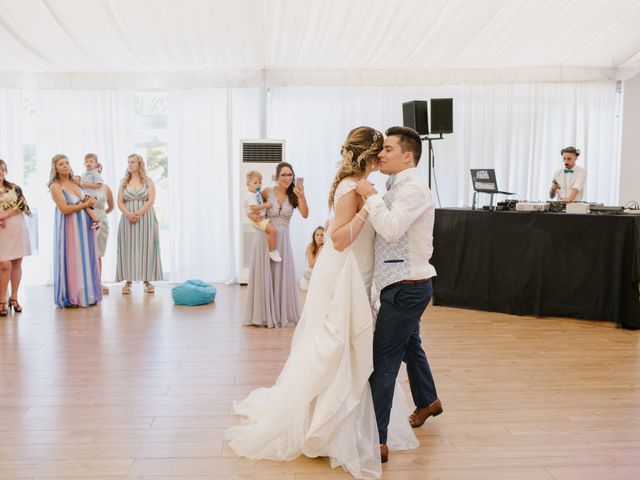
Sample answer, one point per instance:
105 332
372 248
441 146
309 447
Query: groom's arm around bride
403 220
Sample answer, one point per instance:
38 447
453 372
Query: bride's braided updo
360 145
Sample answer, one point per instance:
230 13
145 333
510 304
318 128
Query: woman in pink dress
14 241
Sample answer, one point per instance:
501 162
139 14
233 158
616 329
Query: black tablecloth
543 264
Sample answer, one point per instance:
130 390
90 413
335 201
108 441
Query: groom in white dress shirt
403 220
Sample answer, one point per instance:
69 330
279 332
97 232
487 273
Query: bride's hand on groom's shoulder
365 188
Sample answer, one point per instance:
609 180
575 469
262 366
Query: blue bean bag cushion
193 292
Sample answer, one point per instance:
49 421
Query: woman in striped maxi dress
76 272
138 234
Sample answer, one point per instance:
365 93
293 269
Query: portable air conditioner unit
263 156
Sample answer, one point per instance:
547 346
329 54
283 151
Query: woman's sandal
13 303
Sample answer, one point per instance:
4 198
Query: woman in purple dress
273 299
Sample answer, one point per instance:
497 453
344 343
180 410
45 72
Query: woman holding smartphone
273 299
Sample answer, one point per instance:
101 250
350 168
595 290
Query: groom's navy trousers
397 339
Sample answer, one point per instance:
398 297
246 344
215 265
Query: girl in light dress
311 255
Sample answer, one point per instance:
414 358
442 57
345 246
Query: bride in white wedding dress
320 405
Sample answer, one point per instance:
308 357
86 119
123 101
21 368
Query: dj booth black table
541 264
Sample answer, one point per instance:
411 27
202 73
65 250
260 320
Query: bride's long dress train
320 405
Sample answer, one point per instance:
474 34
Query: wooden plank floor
140 389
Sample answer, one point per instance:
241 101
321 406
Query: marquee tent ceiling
360 42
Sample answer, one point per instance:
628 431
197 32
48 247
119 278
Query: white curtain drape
199 184
205 126
11 138
75 123
516 129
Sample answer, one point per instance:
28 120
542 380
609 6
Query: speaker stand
432 156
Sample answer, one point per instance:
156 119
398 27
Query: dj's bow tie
566 170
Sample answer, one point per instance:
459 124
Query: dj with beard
569 182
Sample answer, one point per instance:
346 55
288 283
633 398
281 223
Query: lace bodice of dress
279 214
362 246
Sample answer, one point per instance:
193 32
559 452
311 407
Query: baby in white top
91 180
254 204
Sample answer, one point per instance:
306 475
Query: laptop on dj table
484 181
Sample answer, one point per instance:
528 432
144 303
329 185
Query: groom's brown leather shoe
420 415
384 453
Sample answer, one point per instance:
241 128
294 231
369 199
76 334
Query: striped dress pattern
138 243
76 272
